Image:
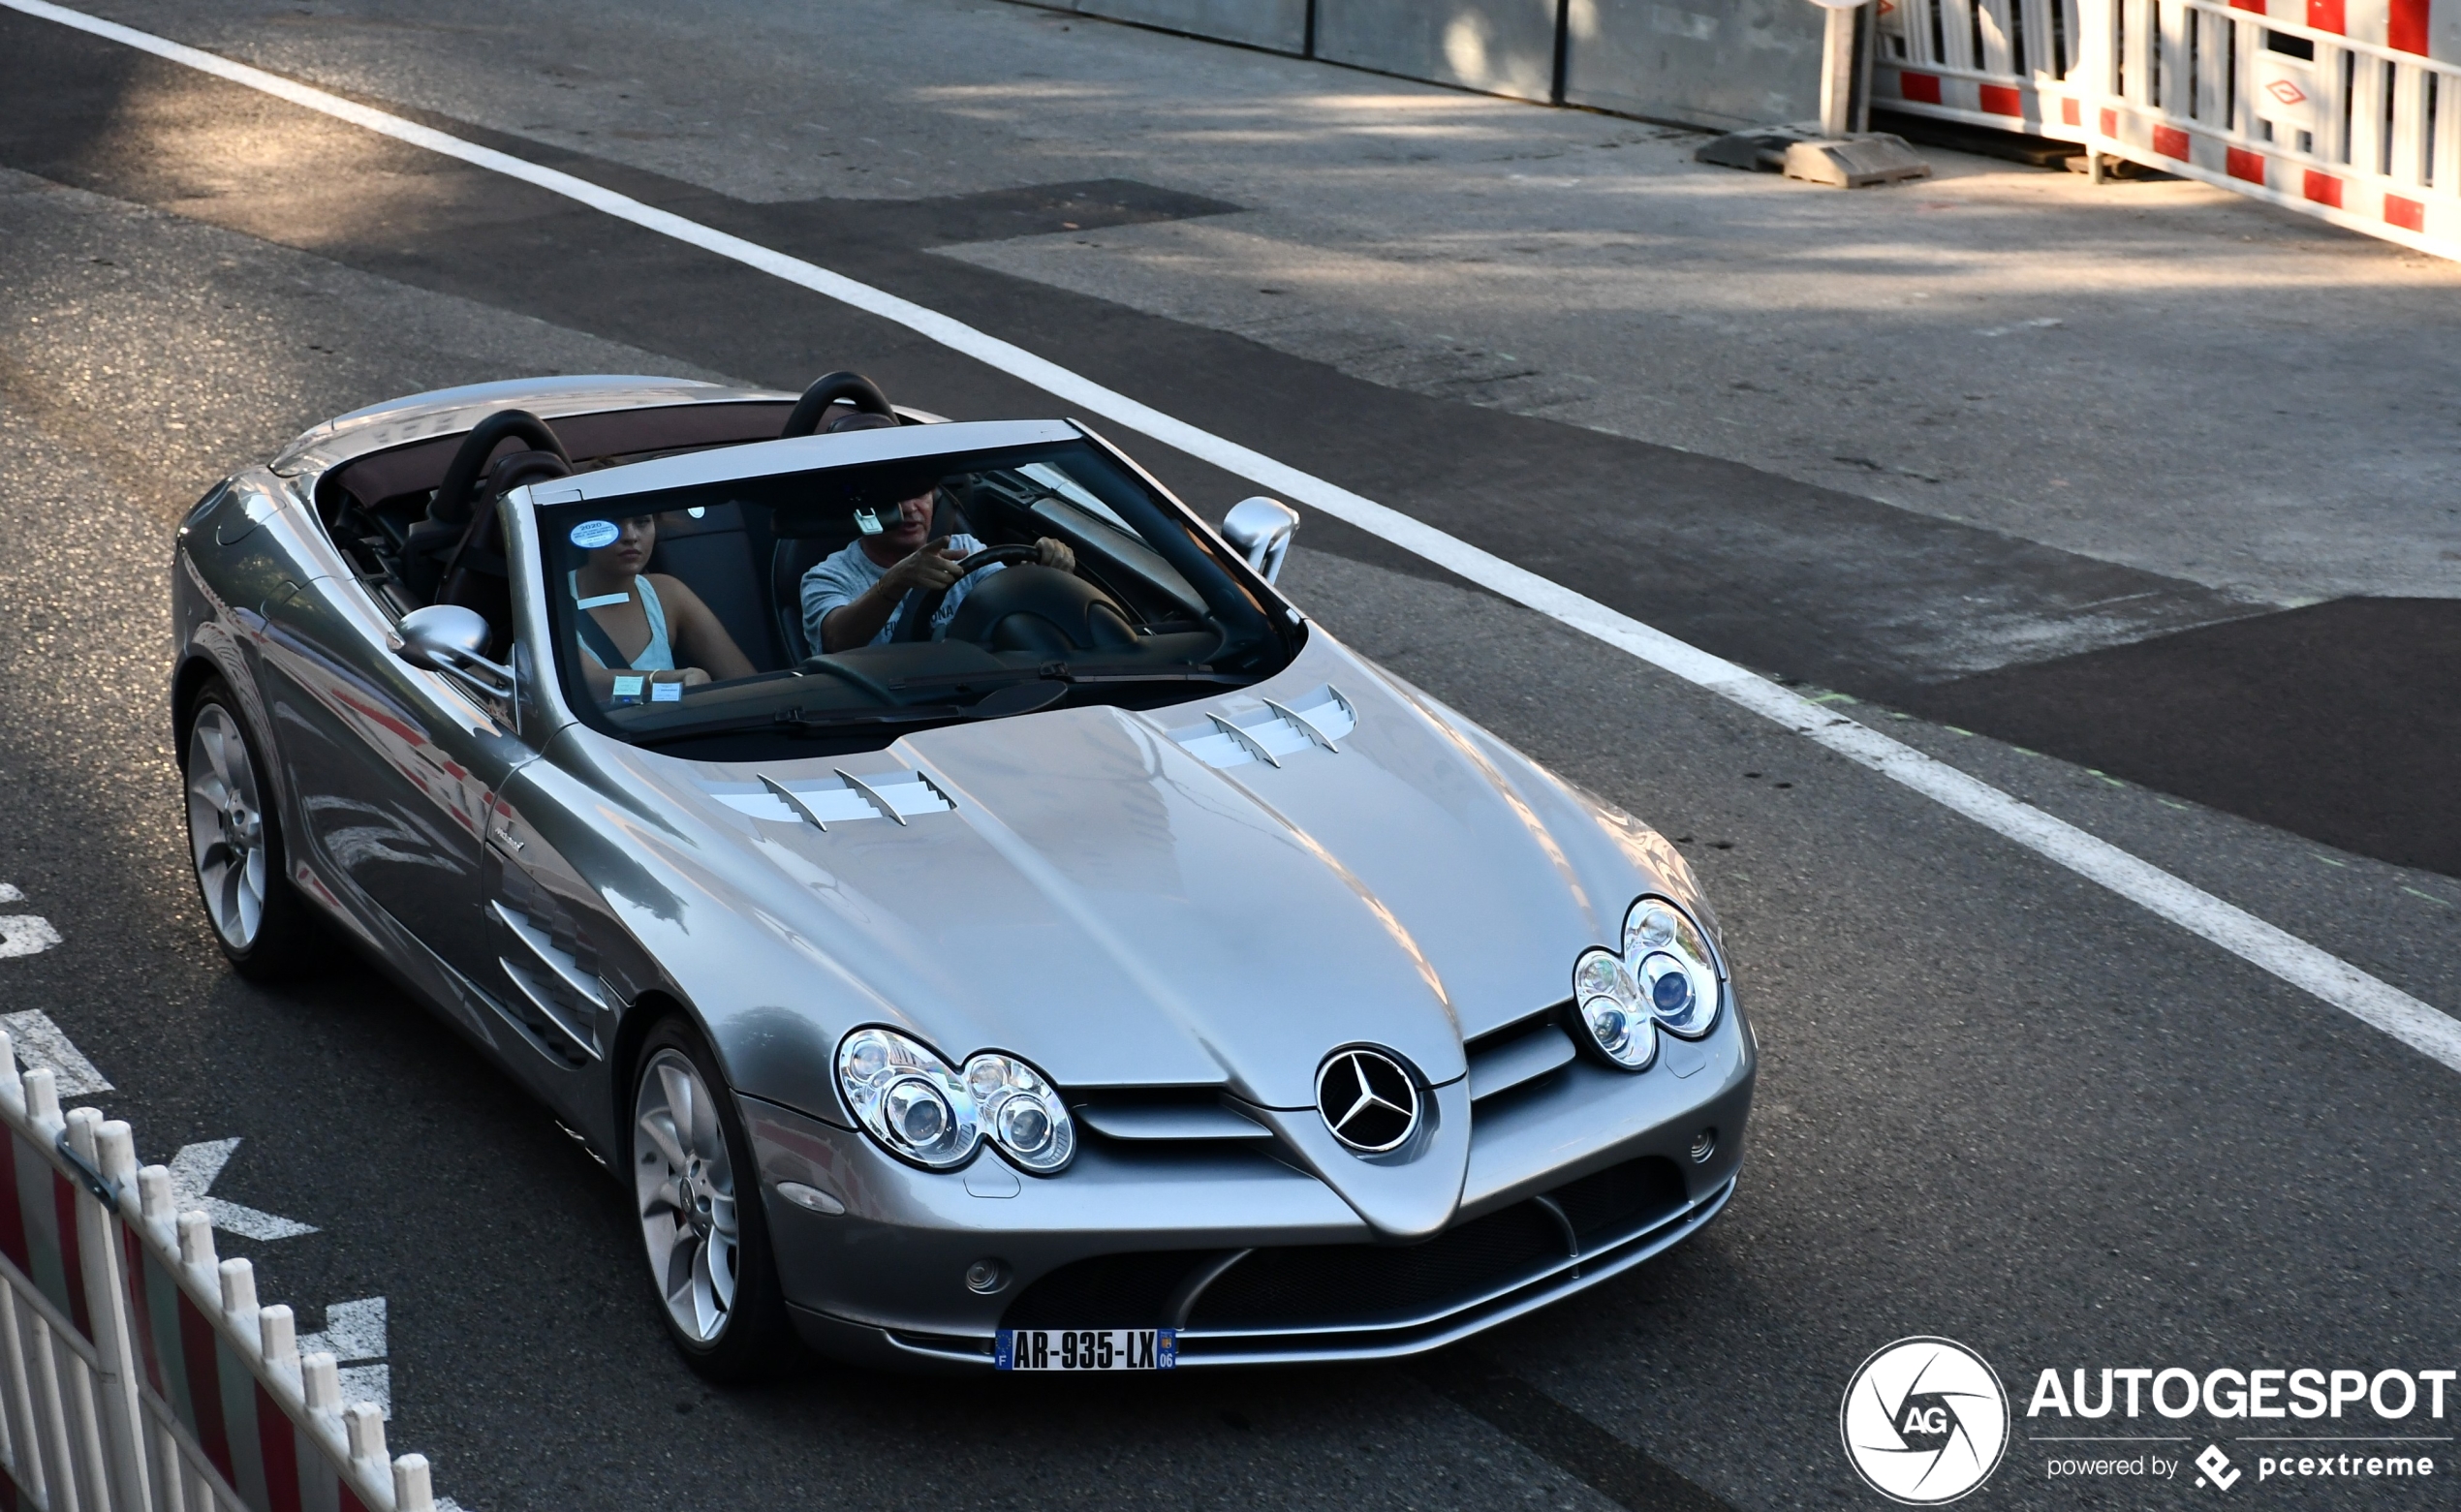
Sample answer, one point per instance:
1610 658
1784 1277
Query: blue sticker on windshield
590 534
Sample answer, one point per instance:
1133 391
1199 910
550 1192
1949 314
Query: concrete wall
1722 62
1279 24
1502 46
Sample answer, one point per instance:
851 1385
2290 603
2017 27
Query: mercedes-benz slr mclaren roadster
981 923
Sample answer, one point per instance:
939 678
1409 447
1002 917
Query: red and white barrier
2345 110
137 1372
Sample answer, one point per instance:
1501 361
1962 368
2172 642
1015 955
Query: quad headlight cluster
912 1102
1665 976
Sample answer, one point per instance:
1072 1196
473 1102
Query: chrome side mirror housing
448 638
1260 529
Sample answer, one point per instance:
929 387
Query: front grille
1614 1201
1106 1292
1309 1285
1303 1287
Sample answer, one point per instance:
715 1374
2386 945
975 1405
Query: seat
795 555
476 577
431 542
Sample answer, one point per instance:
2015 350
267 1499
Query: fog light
986 1276
1705 1144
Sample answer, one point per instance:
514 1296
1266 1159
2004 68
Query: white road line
192 1176
356 1331
41 1046
2327 976
25 934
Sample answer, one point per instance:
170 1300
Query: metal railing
138 1371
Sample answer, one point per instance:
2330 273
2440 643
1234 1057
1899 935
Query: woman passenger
649 623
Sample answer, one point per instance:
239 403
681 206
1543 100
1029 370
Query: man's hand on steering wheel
1055 553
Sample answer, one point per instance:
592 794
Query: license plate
1088 1348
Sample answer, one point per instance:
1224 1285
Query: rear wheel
698 1196
234 838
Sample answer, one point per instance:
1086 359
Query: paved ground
1998 1103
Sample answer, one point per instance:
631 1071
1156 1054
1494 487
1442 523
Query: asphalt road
1997 1102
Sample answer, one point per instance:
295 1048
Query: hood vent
1272 731
843 799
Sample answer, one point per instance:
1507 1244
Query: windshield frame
1252 615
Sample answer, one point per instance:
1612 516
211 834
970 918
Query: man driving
853 597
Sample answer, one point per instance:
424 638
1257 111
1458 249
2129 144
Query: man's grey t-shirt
838 580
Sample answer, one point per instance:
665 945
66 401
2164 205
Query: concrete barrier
1278 24
1726 64
1720 64
1500 47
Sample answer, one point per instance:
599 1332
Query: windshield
833 610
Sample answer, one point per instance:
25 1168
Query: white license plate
1087 1348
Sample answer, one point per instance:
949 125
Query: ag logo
1924 1421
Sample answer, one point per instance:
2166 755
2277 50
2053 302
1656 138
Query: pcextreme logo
1925 1421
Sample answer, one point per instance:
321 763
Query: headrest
514 469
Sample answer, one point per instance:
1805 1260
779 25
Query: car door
396 770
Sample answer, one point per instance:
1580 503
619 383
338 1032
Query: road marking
355 1331
2365 998
192 1175
27 934
41 1046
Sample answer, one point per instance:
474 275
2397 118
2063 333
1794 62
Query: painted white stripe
42 1045
27 934
2294 960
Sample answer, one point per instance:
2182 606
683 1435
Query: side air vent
1272 731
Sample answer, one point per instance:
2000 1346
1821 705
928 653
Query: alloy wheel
226 826
684 1181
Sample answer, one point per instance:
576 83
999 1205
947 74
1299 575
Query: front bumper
1254 1259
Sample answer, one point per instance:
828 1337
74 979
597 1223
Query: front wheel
234 840
698 1196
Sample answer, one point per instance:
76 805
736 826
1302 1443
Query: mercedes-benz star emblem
1368 1100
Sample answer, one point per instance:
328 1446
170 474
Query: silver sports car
982 923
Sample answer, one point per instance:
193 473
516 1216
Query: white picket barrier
2018 64
2333 108
137 1372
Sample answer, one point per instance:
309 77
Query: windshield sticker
665 693
867 522
590 534
605 601
629 687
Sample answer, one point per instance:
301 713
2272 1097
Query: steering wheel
922 607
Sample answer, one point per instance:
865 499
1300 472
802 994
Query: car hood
1135 900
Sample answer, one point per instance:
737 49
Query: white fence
138 1374
2339 111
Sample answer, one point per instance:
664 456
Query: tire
266 929
692 1174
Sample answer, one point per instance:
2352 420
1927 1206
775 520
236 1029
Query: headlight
1671 962
1665 976
1021 1112
1610 1004
908 1099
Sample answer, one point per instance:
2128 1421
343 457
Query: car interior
1150 608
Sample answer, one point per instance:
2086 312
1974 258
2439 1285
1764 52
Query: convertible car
1070 957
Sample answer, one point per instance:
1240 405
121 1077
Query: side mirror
1261 530
448 638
